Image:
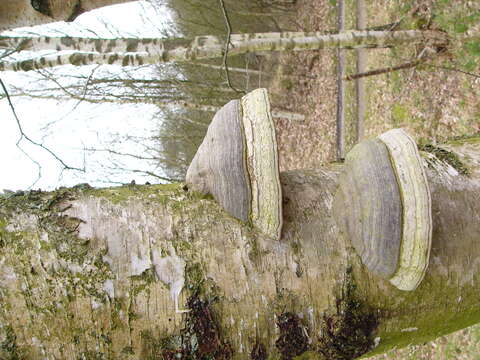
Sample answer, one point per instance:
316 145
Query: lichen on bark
77 278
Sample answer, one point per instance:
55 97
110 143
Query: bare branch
118 167
422 58
114 152
227 45
389 69
454 69
26 137
84 89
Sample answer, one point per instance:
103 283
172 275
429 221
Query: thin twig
227 45
410 12
152 174
85 89
454 69
71 95
8 53
113 152
389 69
138 157
26 137
144 172
421 58
47 75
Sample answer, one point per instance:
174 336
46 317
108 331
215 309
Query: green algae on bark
447 156
245 291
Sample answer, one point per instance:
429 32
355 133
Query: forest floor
432 101
434 104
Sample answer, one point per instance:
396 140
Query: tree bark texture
95 273
135 51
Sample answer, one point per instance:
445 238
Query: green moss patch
120 194
400 114
9 349
447 156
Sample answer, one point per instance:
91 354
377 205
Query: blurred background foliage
206 83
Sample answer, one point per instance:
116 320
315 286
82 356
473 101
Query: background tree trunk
93 273
18 13
341 68
136 51
360 92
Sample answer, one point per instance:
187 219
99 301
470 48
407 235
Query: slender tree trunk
134 52
152 99
341 86
18 13
88 273
232 69
361 67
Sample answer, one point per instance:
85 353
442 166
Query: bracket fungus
383 205
237 163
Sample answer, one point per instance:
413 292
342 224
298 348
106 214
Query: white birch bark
134 52
341 56
361 67
149 99
98 274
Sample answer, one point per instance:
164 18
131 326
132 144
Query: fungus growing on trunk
383 205
237 163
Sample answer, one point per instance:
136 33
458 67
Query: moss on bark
79 263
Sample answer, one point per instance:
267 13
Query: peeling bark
92 273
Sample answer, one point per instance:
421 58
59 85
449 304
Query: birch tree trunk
341 68
276 114
96 273
360 91
18 13
135 51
